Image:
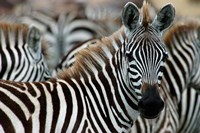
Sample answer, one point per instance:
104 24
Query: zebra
21 57
100 13
111 83
69 58
184 117
62 30
189 109
180 84
185 41
47 22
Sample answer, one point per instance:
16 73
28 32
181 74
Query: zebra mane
91 57
145 11
6 28
189 26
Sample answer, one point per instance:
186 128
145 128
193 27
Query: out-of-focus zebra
183 42
63 30
180 83
189 111
104 91
101 14
21 57
69 58
47 22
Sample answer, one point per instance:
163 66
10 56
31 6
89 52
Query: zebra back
21 55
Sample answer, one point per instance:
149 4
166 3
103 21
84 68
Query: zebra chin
151 104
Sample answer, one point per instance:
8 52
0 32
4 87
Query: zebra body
186 41
21 57
189 111
70 57
180 83
64 30
104 91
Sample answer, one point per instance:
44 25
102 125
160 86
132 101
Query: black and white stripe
70 57
21 57
184 65
104 91
63 30
180 84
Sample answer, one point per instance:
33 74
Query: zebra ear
34 39
164 17
130 16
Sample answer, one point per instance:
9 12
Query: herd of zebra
71 72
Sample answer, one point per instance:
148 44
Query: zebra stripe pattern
102 91
69 59
189 109
180 83
21 57
183 42
47 22
64 30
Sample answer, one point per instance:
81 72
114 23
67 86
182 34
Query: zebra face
145 54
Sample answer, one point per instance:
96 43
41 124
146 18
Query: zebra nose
151 103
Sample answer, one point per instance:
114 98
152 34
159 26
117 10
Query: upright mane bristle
146 15
87 56
20 29
7 27
11 27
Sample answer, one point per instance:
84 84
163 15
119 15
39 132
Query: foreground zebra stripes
111 83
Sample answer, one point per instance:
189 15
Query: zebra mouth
150 112
149 116
151 104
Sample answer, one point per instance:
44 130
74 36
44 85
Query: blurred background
183 7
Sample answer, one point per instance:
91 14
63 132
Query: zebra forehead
183 26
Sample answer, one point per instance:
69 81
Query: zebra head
21 56
34 45
145 53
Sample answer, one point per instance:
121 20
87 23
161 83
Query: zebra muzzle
151 104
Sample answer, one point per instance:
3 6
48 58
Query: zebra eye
130 56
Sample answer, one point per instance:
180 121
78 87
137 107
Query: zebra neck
126 92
